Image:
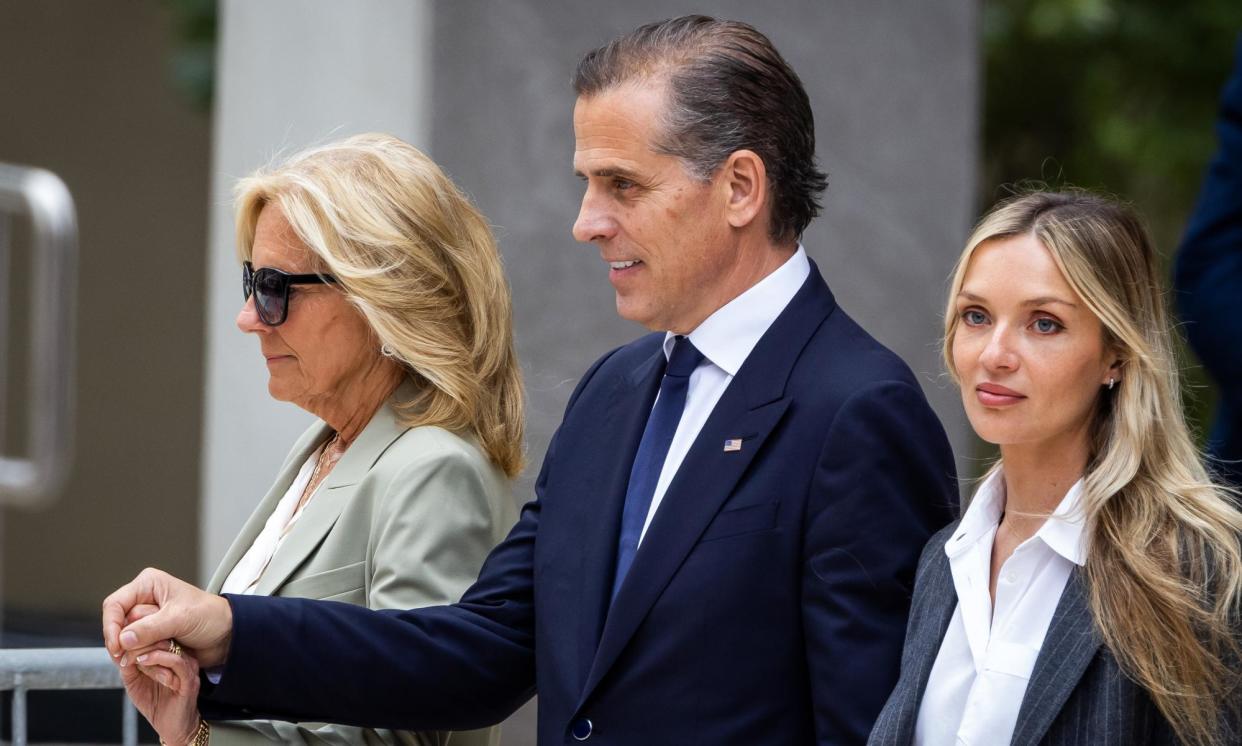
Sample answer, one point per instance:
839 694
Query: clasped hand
140 622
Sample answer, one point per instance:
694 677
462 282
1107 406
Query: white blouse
980 675
245 575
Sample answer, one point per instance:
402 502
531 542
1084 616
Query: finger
179 669
140 590
150 630
131 655
161 676
140 611
129 675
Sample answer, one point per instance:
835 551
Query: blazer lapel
930 617
254 524
750 408
622 428
1069 647
333 495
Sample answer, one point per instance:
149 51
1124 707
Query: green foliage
1114 96
193 59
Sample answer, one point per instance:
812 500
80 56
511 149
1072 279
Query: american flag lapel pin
733 444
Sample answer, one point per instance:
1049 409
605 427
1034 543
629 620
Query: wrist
223 611
199 736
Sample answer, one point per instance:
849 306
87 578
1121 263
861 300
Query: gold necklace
323 456
310 486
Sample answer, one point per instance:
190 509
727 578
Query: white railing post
19 713
129 721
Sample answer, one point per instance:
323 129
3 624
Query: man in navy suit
728 519
1209 280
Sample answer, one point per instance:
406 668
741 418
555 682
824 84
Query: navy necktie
649 461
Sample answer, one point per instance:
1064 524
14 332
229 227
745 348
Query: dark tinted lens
247 280
269 296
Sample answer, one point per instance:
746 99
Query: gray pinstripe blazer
1077 695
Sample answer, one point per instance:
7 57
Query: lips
995 395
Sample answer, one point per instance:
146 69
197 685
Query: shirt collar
982 515
728 335
1063 532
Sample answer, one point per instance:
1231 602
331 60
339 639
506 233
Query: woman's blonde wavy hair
420 263
1164 566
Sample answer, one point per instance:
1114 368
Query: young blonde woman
1090 592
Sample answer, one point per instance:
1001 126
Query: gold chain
201 737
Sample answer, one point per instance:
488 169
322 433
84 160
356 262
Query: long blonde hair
1164 566
420 263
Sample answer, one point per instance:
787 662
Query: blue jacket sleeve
1208 274
455 667
458 667
884 484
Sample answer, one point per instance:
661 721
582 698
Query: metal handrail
31 669
45 199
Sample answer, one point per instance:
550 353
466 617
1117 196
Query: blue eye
1047 326
974 317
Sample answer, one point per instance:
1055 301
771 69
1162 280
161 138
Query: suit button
581 729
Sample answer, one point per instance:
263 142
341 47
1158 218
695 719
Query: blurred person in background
1208 279
1090 593
376 293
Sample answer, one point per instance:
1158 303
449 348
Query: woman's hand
201 621
164 687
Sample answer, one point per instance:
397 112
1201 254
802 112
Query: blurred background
149 110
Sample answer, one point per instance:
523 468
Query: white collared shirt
725 338
981 672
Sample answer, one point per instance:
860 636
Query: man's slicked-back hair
728 90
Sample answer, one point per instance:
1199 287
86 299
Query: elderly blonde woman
1090 593
375 292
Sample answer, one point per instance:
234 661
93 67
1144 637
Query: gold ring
174 647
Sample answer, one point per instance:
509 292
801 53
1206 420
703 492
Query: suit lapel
750 409
623 424
1069 647
254 524
325 506
935 603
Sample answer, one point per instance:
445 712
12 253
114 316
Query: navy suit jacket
1209 279
766 605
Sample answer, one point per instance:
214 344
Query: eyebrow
1043 300
608 173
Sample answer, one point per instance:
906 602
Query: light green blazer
404 520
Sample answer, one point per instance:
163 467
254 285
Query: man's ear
744 179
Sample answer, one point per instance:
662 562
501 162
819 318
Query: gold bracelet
202 735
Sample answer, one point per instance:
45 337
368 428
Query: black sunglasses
270 288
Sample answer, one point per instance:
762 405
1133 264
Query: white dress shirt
980 675
725 338
245 575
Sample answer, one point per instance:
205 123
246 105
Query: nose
594 222
248 319
999 354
